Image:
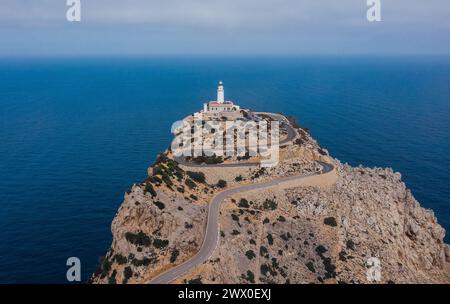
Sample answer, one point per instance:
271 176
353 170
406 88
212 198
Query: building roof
226 104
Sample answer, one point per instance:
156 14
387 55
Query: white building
220 106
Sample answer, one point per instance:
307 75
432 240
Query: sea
77 132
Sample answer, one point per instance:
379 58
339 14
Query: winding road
212 227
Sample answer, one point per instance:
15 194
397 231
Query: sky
223 27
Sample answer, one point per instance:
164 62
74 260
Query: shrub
149 188
330 221
264 269
238 178
322 152
106 265
235 217
281 218
258 173
127 273
270 204
243 203
160 205
250 254
310 266
112 278
143 262
221 183
167 180
190 183
138 239
263 251
270 239
158 243
197 176
194 197
154 180
250 277
174 255
180 189
197 280
120 259
235 232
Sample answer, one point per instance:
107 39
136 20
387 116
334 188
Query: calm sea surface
75 134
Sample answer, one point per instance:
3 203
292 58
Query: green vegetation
259 173
263 251
270 204
243 203
127 274
270 239
194 197
160 205
197 176
143 262
138 239
120 259
235 232
180 189
154 180
174 255
106 265
221 183
250 254
197 280
281 218
149 189
190 183
158 243
330 221
250 277
238 178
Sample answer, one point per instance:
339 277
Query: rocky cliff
306 233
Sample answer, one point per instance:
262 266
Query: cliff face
298 234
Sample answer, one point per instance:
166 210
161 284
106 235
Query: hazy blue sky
146 27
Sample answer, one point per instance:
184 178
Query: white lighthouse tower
220 107
220 93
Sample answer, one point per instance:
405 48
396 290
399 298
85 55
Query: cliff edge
350 225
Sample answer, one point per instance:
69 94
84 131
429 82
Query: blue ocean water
75 134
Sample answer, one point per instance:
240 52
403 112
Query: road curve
212 227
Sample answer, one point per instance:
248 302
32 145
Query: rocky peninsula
306 224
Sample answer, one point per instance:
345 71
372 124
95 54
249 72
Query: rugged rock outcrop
337 234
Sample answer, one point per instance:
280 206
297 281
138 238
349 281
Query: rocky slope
295 235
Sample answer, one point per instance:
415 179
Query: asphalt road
212 227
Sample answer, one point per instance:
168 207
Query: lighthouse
220 107
220 93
